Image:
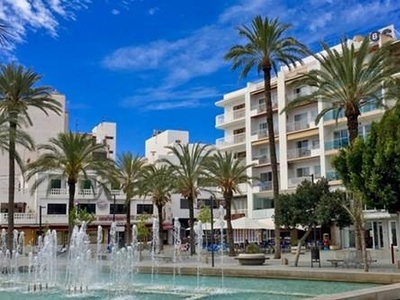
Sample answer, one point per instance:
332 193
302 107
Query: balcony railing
304 92
333 115
336 143
63 192
302 152
231 140
19 218
263 159
295 181
230 116
259 134
299 125
332 175
263 186
262 107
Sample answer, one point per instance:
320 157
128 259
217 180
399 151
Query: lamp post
212 230
40 218
114 208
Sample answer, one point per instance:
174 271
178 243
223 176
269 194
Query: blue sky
157 64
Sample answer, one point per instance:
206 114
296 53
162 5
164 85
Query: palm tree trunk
11 185
71 200
191 218
128 228
228 201
160 228
272 151
352 125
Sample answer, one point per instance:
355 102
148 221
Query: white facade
304 149
106 134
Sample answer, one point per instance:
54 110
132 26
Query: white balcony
54 192
259 134
304 92
231 140
19 218
299 152
298 125
261 160
262 108
262 186
230 116
295 181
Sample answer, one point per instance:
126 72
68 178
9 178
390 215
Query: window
237 107
341 138
55 183
184 203
240 155
88 207
206 203
300 121
302 148
56 209
144 209
266 177
317 171
263 203
86 184
302 172
119 209
239 131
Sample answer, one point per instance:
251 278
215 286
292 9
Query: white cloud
153 10
162 98
115 11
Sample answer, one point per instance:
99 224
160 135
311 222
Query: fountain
48 275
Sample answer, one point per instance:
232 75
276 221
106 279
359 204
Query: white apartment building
304 149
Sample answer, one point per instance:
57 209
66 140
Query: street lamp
114 208
40 218
212 230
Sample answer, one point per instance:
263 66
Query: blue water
146 287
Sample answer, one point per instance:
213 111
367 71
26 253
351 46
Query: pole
315 231
114 209
40 219
212 230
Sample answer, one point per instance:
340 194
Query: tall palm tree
159 184
129 175
73 156
266 49
4 33
188 170
226 172
349 79
17 94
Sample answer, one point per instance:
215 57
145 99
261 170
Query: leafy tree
81 215
128 174
225 172
17 94
188 172
71 154
266 49
312 204
159 183
205 217
348 80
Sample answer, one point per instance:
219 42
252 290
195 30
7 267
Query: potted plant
252 256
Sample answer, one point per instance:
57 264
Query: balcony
259 134
231 140
332 175
336 144
303 92
262 186
295 181
300 125
302 152
230 116
262 160
262 108
63 192
334 115
19 218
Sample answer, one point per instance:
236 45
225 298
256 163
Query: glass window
184 203
86 184
302 172
88 207
55 183
119 209
144 209
56 209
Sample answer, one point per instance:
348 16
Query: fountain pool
144 286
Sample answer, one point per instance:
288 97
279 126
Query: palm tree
17 94
73 155
225 172
159 183
266 49
348 80
4 33
129 175
188 171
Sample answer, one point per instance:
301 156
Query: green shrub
252 248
